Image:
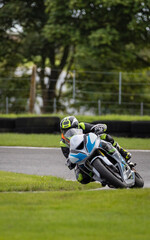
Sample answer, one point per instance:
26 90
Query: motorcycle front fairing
81 150
83 146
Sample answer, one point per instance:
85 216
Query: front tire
109 176
139 182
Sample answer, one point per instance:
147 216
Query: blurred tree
14 89
117 33
99 34
117 39
30 22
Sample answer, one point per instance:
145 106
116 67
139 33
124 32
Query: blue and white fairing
81 146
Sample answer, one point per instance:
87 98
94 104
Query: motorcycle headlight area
76 141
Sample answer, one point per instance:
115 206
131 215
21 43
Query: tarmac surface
50 161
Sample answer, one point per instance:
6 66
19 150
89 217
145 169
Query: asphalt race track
50 161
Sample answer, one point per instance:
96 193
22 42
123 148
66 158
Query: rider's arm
64 148
65 151
88 127
99 128
69 164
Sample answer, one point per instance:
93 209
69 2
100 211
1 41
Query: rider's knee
82 177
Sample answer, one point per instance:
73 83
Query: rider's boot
124 153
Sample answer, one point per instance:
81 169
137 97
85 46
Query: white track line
19 147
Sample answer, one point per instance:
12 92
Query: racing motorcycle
102 160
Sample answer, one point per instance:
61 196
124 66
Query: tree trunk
52 89
49 93
44 89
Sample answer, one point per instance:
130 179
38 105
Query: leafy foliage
96 35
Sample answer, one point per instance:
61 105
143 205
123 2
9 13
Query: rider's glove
69 164
99 128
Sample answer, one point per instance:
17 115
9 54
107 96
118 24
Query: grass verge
71 215
29 140
51 140
86 118
23 182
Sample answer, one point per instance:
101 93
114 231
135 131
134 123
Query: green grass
51 140
82 215
50 208
23 182
114 117
86 118
134 143
30 140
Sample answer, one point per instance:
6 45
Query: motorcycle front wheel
139 182
110 177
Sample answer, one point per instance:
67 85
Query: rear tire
109 176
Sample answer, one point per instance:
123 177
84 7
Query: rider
99 129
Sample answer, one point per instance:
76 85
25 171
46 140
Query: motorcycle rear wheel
109 176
